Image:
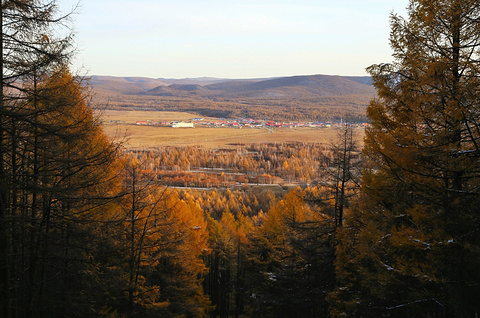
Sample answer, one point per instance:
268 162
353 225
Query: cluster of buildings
174 124
247 123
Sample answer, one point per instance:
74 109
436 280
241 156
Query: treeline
328 108
274 163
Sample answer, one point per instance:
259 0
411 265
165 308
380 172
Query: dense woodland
277 163
90 229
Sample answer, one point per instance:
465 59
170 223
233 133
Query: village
244 123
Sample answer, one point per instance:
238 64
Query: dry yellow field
132 116
151 136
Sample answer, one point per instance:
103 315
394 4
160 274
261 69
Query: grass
215 138
132 116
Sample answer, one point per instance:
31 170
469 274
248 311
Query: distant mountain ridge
306 97
282 87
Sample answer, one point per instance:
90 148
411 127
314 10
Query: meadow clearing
121 125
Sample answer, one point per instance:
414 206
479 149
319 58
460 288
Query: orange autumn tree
225 281
31 42
164 239
181 267
290 263
140 216
62 173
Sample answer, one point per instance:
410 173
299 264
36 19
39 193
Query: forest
90 228
279 163
327 108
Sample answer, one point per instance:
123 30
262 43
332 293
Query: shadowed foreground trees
60 169
289 264
164 239
340 170
27 46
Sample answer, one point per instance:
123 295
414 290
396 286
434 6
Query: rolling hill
293 87
310 96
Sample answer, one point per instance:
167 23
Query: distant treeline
331 108
272 163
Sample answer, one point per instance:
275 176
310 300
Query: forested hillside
89 228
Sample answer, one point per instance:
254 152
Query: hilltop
316 97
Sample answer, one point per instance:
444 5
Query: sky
231 38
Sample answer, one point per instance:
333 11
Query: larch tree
57 168
414 250
164 239
289 266
61 170
226 277
341 170
70 174
140 214
218 282
27 46
180 268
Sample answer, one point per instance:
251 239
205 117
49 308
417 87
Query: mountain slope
312 97
124 85
314 85
284 87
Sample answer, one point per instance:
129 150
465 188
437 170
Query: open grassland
216 138
132 116
150 136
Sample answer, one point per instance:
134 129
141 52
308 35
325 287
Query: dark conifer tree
55 167
415 248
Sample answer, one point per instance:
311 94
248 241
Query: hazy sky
231 38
